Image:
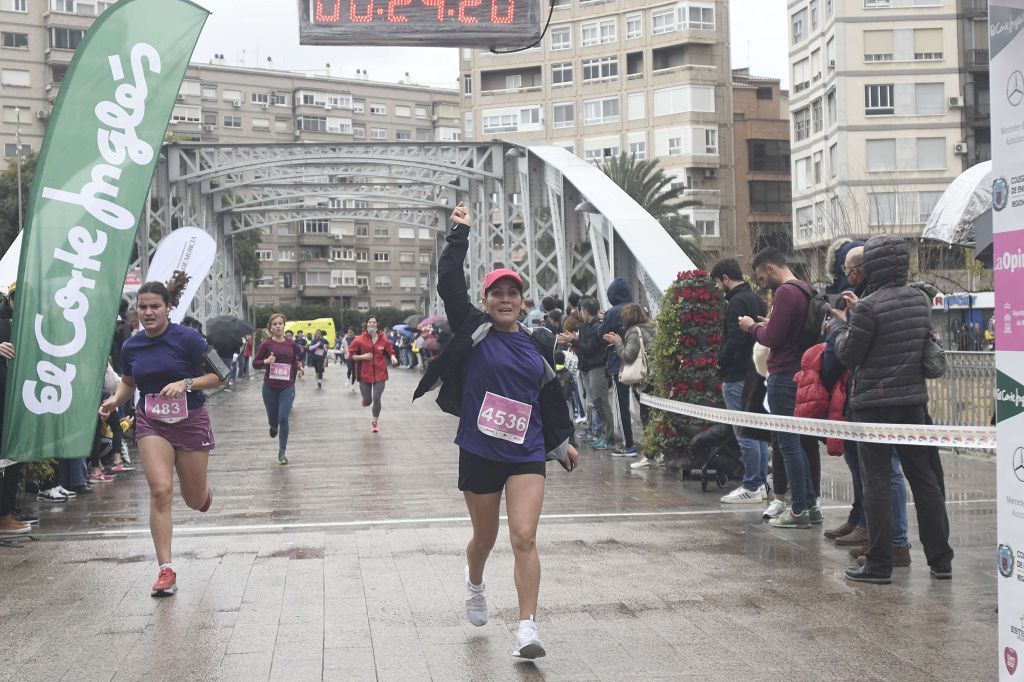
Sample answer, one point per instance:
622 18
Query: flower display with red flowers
685 362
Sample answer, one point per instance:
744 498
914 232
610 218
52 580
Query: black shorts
483 476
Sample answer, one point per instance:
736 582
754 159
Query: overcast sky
248 32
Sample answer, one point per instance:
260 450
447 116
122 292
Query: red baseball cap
494 275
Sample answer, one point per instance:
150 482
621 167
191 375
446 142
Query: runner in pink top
281 358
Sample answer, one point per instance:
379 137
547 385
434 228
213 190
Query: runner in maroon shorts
172 427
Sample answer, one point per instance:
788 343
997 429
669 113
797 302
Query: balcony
975 9
56 55
977 60
317 239
318 291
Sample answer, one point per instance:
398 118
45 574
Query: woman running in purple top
165 363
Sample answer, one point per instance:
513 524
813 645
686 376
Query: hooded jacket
470 326
884 338
619 296
735 358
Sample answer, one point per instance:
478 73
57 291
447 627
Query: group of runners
496 376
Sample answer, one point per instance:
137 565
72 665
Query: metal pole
17 145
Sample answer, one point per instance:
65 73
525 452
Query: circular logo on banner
1005 561
1015 88
1018 464
999 192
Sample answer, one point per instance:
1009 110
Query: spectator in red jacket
372 350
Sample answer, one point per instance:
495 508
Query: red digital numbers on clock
365 11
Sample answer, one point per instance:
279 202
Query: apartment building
640 76
348 263
763 189
876 108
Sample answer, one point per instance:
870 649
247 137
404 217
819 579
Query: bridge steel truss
559 222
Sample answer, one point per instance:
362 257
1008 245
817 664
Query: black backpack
812 331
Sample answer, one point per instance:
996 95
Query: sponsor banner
89 189
976 437
190 249
1006 46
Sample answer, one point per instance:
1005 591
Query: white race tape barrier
978 437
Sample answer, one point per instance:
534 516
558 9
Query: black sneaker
83 490
942 572
273 432
26 517
862 574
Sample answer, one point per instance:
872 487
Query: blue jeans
897 494
782 401
577 404
753 452
278 402
596 427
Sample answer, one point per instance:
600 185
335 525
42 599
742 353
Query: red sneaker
374 428
209 501
166 583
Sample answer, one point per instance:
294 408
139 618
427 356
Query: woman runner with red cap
497 376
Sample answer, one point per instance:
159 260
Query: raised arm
451 277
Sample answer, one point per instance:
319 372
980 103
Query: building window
378 134
65 38
769 196
184 114
262 98
663 20
588 35
802 123
833 160
697 17
16 40
561 74
285 254
425 258
15 5
264 282
817 168
817 117
710 141
563 115
379 109
381 256
764 93
403 111
403 134
608 30
358 106
406 257
407 283
881 155
927 44
362 256
601 111
279 99
878 46
513 81
813 10
381 231
362 229
636 103
232 121
799 23
882 208
801 75
264 254
314 123
600 68
500 123
600 154
638 149
634 26
878 100
706 228
831 106
770 156
561 38
675 146
382 281
359 132
829 8
315 226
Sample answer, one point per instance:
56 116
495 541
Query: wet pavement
347 565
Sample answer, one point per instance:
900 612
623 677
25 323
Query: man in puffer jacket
881 338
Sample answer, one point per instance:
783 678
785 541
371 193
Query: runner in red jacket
371 351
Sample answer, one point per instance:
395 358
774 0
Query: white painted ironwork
558 221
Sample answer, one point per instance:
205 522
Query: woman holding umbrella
371 351
497 376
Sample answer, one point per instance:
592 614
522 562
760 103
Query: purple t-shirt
509 365
155 361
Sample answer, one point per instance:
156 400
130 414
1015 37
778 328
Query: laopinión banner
89 190
1006 46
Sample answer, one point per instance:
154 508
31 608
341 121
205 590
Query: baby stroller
720 453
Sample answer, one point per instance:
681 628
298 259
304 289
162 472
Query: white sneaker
743 496
527 642
774 510
642 464
351 388
65 492
581 420
51 495
476 602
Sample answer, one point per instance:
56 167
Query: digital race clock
424 23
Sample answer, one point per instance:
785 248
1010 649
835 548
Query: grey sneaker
791 520
476 601
816 516
527 642
774 509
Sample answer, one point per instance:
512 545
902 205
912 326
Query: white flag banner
191 249
9 264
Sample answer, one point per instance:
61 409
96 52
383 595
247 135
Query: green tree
9 227
649 186
246 244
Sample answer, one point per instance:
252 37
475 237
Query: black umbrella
225 333
413 321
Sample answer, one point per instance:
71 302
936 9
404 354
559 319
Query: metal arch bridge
555 219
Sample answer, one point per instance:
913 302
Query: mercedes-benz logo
1018 464
1015 88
